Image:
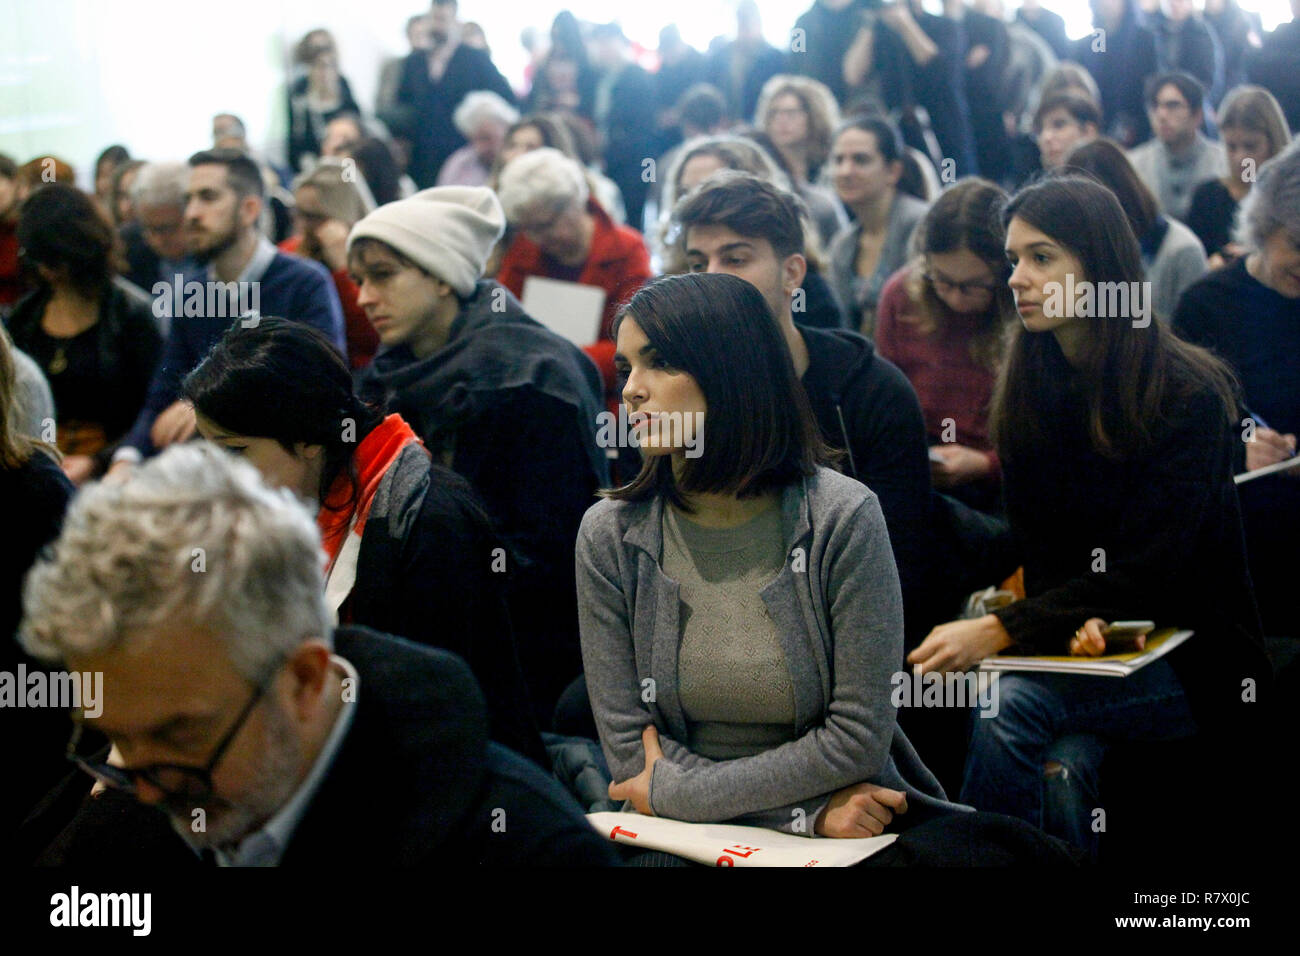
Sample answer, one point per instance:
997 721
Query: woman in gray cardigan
740 609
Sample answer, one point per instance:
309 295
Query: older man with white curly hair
264 734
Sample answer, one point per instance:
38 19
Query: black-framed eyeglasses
176 781
965 288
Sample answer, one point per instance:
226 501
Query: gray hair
481 105
1273 203
193 539
161 184
541 178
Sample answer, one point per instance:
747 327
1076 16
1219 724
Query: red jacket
619 263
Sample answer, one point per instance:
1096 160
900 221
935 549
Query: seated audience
1254 131
943 320
482 118
866 167
157 249
327 204
223 206
1249 314
496 397
409 546
96 344
1116 444
741 225
304 745
1172 257
1179 158
563 233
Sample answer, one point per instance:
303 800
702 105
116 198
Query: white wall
76 75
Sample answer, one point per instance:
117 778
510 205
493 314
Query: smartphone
1122 636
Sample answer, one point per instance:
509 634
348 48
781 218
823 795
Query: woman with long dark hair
751 587
410 549
1117 441
866 164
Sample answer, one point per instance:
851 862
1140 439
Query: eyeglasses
943 284
176 781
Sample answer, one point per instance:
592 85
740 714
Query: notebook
1159 643
719 844
569 309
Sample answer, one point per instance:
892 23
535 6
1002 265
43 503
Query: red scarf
372 459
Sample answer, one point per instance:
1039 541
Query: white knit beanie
448 231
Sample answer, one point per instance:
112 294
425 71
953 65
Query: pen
1259 421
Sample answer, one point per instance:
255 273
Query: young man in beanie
494 395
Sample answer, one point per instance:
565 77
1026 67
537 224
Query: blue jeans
1069 720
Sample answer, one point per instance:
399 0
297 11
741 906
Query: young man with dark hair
246 277
1063 122
737 223
1179 158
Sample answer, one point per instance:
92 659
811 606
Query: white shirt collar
265 846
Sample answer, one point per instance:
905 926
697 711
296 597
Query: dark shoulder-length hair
1134 377
60 227
759 433
284 380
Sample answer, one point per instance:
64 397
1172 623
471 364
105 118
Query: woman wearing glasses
410 549
944 320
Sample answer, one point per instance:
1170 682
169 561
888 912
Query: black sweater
865 405
1257 332
1155 537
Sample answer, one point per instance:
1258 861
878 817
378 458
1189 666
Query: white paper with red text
717 844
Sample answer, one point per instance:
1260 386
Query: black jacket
128 347
1120 65
1168 527
416 782
425 107
37 494
865 405
515 407
425 573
